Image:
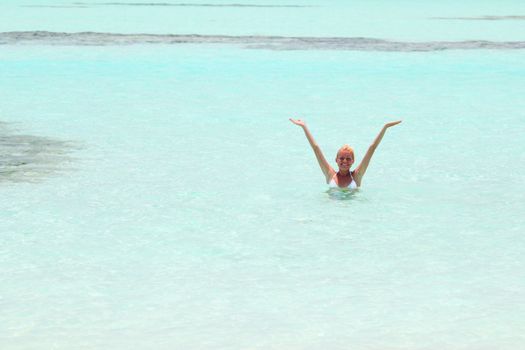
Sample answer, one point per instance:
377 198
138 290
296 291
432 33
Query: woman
344 178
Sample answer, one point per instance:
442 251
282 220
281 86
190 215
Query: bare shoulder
330 175
356 178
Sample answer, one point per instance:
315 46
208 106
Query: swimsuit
352 184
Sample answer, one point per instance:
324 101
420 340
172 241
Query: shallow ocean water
401 20
157 197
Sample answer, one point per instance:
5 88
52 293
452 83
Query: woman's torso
343 181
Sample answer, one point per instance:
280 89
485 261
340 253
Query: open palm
298 122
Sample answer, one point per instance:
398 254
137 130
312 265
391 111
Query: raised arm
328 171
359 172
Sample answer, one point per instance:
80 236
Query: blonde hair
346 148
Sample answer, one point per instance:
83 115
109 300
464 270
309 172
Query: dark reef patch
29 158
251 42
483 18
151 4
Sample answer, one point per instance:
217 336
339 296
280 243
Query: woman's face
344 160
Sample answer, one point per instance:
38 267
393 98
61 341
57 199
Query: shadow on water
29 158
343 194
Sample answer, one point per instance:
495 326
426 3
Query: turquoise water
401 20
157 197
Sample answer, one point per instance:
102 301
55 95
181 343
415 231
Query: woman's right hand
299 122
388 125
